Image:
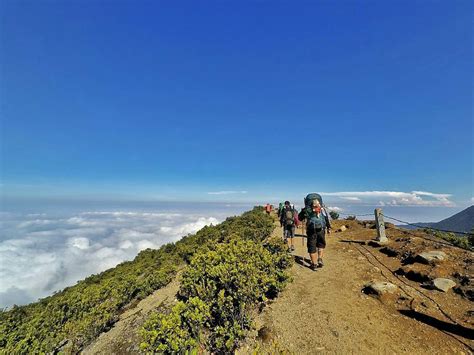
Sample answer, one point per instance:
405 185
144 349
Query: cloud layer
41 254
394 198
227 192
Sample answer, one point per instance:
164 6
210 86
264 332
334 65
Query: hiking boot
313 267
320 262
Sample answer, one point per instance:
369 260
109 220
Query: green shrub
237 276
233 279
175 331
465 242
334 215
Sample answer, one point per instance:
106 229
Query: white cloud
14 295
80 243
42 255
229 192
395 198
126 244
335 209
350 198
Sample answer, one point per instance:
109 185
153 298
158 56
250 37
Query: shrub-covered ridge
219 290
72 318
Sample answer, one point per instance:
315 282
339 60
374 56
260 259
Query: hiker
280 208
268 208
287 221
316 224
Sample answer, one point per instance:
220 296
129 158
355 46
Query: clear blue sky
246 99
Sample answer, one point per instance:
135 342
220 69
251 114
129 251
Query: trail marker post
380 224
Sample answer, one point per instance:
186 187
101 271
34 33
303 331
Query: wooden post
381 237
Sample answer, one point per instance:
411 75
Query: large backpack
289 216
308 200
315 223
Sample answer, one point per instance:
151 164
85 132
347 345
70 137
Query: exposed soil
325 311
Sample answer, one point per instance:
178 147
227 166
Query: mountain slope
461 222
69 320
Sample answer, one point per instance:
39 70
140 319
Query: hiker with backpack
316 225
280 208
288 222
268 208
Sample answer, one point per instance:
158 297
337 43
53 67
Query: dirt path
123 337
324 311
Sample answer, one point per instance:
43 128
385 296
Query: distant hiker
287 221
268 208
280 208
316 224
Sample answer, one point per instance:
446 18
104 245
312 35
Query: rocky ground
373 299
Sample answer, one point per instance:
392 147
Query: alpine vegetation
218 293
229 269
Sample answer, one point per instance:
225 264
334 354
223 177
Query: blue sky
248 100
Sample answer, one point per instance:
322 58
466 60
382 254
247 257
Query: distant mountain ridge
460 222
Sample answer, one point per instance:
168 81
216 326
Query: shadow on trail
362 242
302 261
456 329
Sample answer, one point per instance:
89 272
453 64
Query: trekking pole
303 233
327 215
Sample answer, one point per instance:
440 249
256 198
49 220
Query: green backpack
308 200
314 222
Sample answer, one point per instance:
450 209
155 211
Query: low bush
462 241
236 277
178 330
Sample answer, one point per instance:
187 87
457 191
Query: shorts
316 240
289 231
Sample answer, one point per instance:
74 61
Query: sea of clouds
42 253
47 245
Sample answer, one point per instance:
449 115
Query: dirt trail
324 311
123 337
